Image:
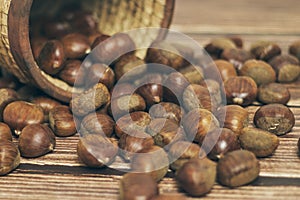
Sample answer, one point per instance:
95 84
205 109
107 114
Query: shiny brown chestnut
152 93
193 74
72 73
197 176
138 186
220 141
36 140
198 122
37 43
241 90
96 151
226 69
260 71
56 29
100 73
265 50
138 120
294 49
61 121
167 110
236 56
217 46
84 22
52 57
153 161
90 100
133 142
273 93
19 114
233 117
287 68
9 157
7 96
97 123
76 45
46 103
5 132
275 118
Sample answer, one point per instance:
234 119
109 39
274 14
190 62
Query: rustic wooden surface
60 175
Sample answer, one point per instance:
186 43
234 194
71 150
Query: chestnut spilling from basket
195 116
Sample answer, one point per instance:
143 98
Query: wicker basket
113 15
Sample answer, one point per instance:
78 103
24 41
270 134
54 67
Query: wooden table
59 175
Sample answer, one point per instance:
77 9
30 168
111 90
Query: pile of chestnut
191 119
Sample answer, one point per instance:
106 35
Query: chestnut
233 117
217 46
167 110
122 89
193 74
100 73
19 114
273 93
138 120
97 123
220 141
52 57
90 100
94 150
153 161
46 103
294 49
197 176
241 90
76 45
56 29
7 96
138 186
5 133
236 56
198 122
265 50
260 71
152 93
36 140
133 142
226 69
9 157
181 152
84 21
72 73
275 118
61 121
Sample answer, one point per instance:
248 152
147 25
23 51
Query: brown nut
57 29
36 140
37 43
98 40
129 67
236 56
216 92
19 114
265 50
90 100
46 103
169 196
273 93
134 142
6 96
121 90
9 157
193 74
182 151
153 161
100 73
111 49
260 71
94 150
165 132
197 96
152 93
84 21
241 90
287 68
237 168
167 110
126 104
5 133
261 143
76 45
134 121
275 118
72 73
233 117
220 141
294 49
217 46
138 186
52 57
197 176
197 123
226 69
165 54
61 121
97 123
237 40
